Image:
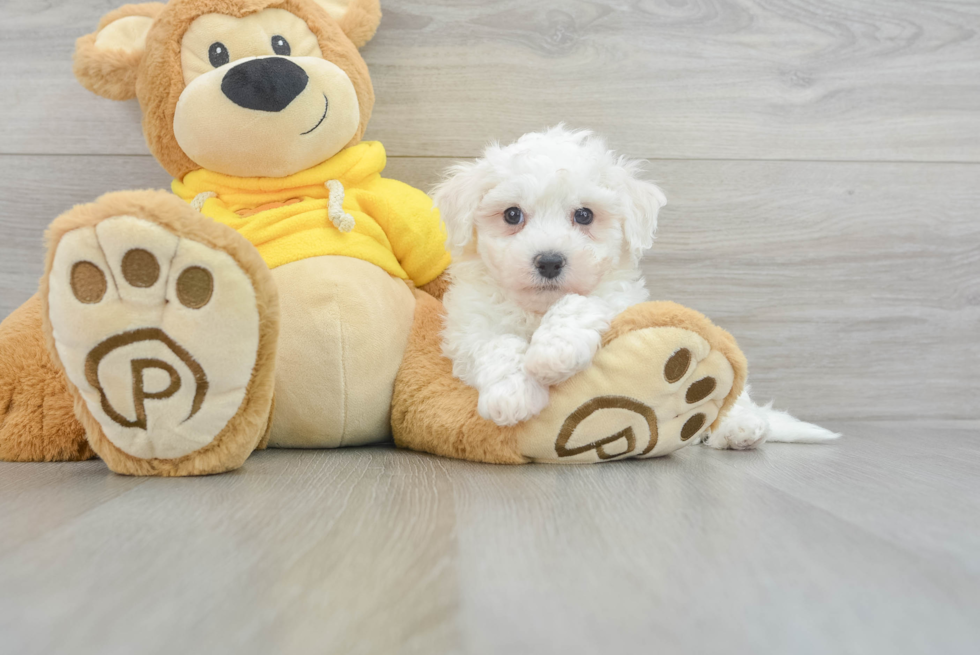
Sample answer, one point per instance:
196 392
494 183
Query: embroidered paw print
159 333
676 369
626 405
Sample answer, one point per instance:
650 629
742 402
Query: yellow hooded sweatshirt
288 218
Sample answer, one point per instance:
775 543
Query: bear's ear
358 19
107 61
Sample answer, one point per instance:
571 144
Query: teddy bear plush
285 294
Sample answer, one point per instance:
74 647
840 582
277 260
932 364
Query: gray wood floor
822 163
870 545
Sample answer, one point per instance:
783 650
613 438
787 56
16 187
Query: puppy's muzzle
266 84
549 264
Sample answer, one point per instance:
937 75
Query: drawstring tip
335 207
344 222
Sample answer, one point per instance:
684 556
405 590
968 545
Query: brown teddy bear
286 294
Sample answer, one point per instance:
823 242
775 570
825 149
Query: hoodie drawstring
335 207
201 198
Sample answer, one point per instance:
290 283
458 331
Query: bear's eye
280 46
513 216
218 55
583 216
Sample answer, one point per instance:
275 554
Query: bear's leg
37 419
664 374
166 325
435 412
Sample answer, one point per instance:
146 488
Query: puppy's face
549 215
548 229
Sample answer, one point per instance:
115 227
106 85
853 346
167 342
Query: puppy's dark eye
280 46
513 216
583 216
218 54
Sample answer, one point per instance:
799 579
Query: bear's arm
414 230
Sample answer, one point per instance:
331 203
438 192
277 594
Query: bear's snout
266 84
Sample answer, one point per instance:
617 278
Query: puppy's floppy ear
358 19
458 196
108 60
643 202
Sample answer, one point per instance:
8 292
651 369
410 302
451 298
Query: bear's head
250 88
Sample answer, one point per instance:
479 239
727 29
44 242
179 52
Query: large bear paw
165 325
648 392
663 375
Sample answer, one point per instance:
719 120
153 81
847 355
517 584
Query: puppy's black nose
549 264
267 84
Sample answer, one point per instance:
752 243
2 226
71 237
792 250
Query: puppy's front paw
556 355
745 427
512 400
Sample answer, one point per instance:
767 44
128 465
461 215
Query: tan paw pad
158 333
646 394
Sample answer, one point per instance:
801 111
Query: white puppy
546 236
561 224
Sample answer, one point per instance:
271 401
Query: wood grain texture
864 546
853 288
36 190
835 79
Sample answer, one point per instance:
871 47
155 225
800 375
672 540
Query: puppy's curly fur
547 234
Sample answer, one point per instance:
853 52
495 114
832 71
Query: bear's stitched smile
326 106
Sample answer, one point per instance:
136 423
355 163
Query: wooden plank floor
822 164
871 545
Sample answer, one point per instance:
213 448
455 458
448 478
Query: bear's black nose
549 264
267 84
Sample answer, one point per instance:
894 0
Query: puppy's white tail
785 428
748 425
